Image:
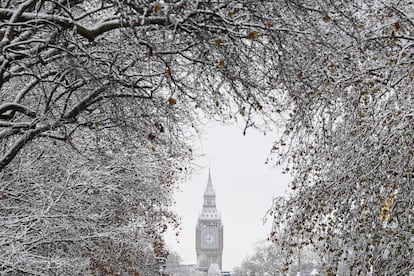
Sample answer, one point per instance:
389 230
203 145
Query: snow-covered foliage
265 259
103 94
97 104
269 259
66 213
145 65
348 142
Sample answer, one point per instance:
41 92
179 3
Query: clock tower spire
209 231
209 195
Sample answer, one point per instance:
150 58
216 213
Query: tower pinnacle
209 189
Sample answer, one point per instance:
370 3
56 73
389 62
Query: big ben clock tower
209 232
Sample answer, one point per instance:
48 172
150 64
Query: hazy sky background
244 185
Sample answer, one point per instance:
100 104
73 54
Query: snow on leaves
350 137
97 99
88 76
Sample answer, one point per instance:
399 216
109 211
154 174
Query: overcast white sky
244 186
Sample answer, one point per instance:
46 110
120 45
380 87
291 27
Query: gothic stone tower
209 231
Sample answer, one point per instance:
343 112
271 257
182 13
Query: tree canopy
107 94
71 65
348 142
268 259
99 100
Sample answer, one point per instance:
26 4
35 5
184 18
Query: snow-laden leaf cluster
122 83
348 142
98 103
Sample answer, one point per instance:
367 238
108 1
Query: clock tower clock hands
209 239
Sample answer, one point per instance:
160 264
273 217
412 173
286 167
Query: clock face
209 239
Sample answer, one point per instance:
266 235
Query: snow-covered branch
13 108
89 32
